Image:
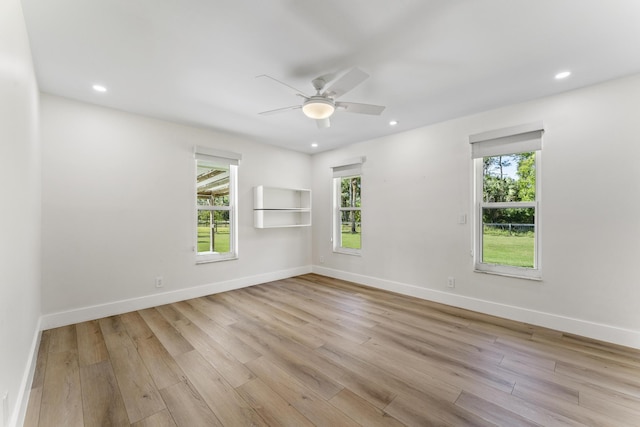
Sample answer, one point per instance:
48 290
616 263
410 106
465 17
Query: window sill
210 260
347 252
536 278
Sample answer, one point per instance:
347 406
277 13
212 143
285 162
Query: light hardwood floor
318 351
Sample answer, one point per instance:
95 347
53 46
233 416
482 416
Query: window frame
214 158
502 269
505 142
337 216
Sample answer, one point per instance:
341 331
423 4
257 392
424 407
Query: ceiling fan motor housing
318 84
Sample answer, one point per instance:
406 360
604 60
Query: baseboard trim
585 328
84 314
22 401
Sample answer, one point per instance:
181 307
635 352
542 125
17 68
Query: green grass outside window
220 242
500 247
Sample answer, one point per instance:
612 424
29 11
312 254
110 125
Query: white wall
20 241
118 209
415 185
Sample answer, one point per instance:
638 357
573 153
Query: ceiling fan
323 104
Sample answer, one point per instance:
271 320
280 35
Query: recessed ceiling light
314 145
393 122
99 88
563 75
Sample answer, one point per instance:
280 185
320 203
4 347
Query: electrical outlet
159 282
451 282
321 260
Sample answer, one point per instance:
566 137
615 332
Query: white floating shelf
275 207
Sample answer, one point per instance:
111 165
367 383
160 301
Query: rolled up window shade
348 168
216 157
516 139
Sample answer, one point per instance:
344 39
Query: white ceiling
196 61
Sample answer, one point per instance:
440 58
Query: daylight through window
347 189
509 210
216 233
349 212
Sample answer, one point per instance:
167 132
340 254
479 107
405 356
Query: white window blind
512 140
348 168
216 157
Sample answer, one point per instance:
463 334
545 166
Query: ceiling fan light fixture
318 107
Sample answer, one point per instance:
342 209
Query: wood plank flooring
315 351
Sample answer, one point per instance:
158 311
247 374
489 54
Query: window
507 200
216 210
347 191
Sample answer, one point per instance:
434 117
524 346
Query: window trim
214 158
507 141
345 169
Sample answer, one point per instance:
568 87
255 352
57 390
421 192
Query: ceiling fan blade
297 91
345 83
280 110
323 123
354 107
